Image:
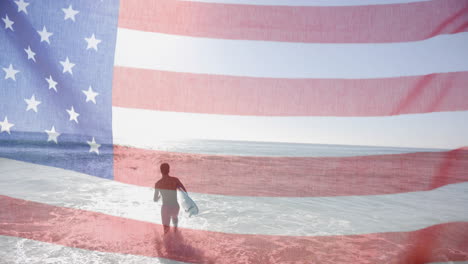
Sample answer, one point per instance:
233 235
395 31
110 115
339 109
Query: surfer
167 186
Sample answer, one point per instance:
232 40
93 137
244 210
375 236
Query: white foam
313 216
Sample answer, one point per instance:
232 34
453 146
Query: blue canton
56 66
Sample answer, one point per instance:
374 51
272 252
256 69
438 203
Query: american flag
94 95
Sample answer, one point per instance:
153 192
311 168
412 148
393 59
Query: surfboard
187 203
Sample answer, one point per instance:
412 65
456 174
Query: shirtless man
167 187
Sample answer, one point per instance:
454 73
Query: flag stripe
399 131
232 95
310 2
299 177
312 216
21 250
96 231
336 24
18 249
156 51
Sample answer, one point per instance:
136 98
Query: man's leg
175 221
165 217
175 218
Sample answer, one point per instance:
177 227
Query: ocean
278 149
259 192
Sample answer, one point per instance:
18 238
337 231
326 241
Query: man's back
168 188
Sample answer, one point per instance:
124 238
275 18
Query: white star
67 66
52 83
10 73
32 103
8 22
92 42
30 53
22 6
52 135
5 126
45 35
73 115
70 13
93 146
90 95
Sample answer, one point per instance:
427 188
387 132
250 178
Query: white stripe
433 130
20 251
148 50
242 215
310 2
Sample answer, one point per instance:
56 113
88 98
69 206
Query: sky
446 53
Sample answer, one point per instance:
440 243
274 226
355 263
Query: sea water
278 149
284 216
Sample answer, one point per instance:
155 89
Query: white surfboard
187 203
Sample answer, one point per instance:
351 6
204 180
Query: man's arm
179 184
156 194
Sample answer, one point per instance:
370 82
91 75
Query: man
167 186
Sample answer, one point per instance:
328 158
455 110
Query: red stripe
217 94
292 176
100 232
337 24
